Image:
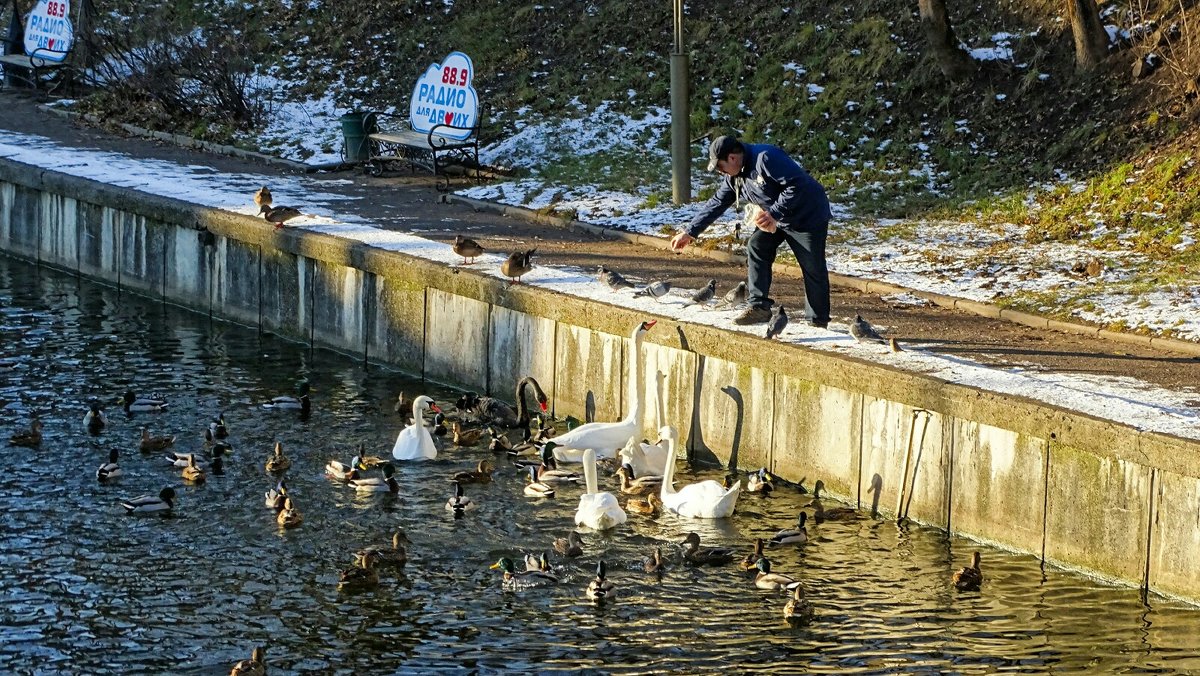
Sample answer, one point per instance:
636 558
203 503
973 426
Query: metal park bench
40 65
396 142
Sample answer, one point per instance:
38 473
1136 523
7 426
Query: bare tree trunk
954 63
1091 40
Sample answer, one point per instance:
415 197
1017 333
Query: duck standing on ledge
467 248
279 215
517 264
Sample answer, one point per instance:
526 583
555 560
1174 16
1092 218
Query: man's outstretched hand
679 242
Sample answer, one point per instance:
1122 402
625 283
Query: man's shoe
753 315
818 324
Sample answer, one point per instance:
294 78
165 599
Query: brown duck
152 443
969 578
29 439
262 198
517 264
279 215
467 248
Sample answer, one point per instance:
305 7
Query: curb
864 285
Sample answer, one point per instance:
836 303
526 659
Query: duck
797 610
751 560
821 515
459 503
94 420
135 404
217 466
262 197
402 405
154 443
597 510
760 482
695 554
606 437
765 579
703 500
289 516
193 473
570 546
439 425
535 488
275 496
217 428
534 561
179 460
640 486
300 403
467 248
970 577
29 439
481 475
524 579
649 506
359 577
109 470
654 563
162 503
387 484
277 461
518 264
415 442
394 557
465 437
336 469
601 589
280 214
548 471
792 536
256 665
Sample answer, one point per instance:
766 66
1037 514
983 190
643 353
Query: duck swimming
522 580
970 577
162 503
387 484
713 556
256 665
94 420
110 469
535 488
135 404
277 461
792 536
459 503
154 443
601 589
570 546
289 516
288 403
765 579
395 557
359 577
28 439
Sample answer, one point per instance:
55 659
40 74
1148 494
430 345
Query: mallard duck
712 556
262 197
533 561
394 557
386 484
751 560
535 488
641 486
439 425
361 576
651 505
601 588
760 482
217 428
466 437
459 503
797 609
371 461
467 248
482 474
792 536
29 439
969 578
135 404
821 515
275 496
179 460
529 578
110 469
280 214
548 471
570 546
765 579
288 403
94 420
278 462
194 473
151 444
217 466
289 516
518 264
654 563
336 469
256 665
162 503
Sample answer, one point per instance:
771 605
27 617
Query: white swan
606 437
415 442
648 459
704 500
597 510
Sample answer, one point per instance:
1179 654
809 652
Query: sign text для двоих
444 95
48 31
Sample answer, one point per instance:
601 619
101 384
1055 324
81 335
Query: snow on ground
1120 399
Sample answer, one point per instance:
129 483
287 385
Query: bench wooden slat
419 139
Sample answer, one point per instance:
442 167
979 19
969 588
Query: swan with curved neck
415 442
703 500
492 411
606 437
597 510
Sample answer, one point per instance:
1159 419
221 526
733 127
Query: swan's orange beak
650 324
435 408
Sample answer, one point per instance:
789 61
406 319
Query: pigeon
518 263
654 289
612 279
704 294
262 197
736 295
863 332
279 215
778 321
467 248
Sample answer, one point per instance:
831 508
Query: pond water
86 589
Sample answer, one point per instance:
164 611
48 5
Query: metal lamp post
681 153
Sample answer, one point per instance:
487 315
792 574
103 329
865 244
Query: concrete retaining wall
1081 492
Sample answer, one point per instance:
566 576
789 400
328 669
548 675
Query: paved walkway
412 204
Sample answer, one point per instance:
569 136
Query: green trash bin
355 128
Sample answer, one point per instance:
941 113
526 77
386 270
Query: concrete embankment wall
1081 492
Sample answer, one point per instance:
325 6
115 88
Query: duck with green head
601 589
524 579
135 404
300 403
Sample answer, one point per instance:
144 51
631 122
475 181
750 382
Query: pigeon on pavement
654 289
863 332
704 294
736 295
778 321
612 279
518 263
